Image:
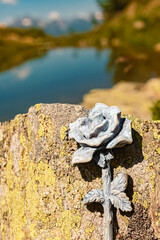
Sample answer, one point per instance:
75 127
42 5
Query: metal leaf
117 195
121 201
95 195
119 183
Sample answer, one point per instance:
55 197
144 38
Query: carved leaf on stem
95 195
121 201
119 183
117 196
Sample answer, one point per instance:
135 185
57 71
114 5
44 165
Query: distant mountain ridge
55 27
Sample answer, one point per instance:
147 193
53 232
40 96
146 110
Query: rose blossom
102 129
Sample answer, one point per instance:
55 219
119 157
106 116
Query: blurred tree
93 19
112 6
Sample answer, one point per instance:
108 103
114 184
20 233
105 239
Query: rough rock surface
132 98
41 192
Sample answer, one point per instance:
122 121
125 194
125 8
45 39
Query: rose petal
103 132
74 130
111 117
83 155
91 127
123 138
98 109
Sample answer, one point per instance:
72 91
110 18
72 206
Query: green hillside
137 26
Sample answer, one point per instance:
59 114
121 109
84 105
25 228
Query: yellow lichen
33 177
119 168
137 125
17 120
42 174
60 202
63 132
136 197
29 126
9 174
145 156
46 126
15 203
22 140
63 152
156 134
158 150
67 222
89 230
69 185
32 228
145 204
14 123
41 130
38 107
150 164
158 221
140 180
152 177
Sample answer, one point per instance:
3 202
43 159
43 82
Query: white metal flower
102 129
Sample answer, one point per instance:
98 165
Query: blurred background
80 51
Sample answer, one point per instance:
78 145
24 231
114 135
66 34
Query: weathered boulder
41 192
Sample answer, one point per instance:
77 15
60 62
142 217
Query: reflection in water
22 73
133 67
14 54
63 75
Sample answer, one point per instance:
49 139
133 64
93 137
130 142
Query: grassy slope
137 26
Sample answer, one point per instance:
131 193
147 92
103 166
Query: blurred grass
156 110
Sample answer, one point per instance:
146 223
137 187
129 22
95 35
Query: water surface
63 75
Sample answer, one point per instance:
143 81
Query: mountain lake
62 75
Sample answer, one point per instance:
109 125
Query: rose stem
108 214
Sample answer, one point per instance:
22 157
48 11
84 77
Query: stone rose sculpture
98 134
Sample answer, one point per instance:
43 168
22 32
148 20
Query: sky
46 9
